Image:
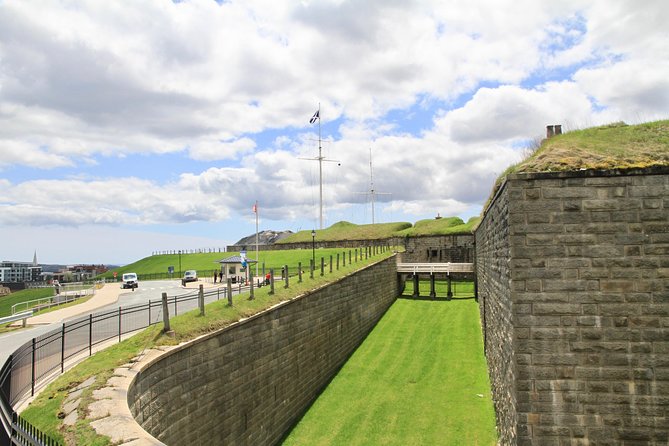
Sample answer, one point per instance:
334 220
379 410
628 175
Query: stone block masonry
573 275
248 384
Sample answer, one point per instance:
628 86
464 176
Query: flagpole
320 166
256 207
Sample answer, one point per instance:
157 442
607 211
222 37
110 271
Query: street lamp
313 246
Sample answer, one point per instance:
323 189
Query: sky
128 128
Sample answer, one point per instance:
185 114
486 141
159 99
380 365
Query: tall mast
372 193
320 158
320 168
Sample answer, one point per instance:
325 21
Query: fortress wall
573 273
249 383
458 248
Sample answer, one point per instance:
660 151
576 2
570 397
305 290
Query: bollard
229 292
322 266
200 300
311 268
166 315
349 257
330 263
337 261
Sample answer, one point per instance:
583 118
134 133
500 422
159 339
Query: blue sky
146 126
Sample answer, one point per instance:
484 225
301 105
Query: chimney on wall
552 130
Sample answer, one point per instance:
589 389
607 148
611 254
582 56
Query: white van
130 281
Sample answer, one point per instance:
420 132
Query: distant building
19 272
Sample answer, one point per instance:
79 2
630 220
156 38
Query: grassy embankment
419 378
382 231
43 411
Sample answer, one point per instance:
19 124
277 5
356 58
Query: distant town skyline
137 127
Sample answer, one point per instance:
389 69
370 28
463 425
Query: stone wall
457 248
249 383
494 293
573 270
347 244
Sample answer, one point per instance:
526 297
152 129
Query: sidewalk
106 295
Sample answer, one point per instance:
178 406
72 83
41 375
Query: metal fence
47 354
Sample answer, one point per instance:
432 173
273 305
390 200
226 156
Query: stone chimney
552 130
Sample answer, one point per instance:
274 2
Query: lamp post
313 246
180 264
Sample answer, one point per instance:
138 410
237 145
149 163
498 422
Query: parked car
189 276
130 281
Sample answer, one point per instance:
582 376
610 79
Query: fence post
251 295
149 313
285 276
449 294
337 261
119 324
299 272
271 281
229 291
62 349
349 257
330 263
322 266
166 314
32 372
90 335
200 299
311 268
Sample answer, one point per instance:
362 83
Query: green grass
43 411
415 380
205 263
6 302
613 146
441 226
349 231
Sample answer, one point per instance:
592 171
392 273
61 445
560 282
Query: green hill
381 231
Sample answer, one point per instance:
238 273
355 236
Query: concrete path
106 295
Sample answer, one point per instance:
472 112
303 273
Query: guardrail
64 296
432 268
16 317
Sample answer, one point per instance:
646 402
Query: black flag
314 117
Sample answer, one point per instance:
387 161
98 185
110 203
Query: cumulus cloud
227 89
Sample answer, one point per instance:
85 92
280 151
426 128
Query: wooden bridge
414 270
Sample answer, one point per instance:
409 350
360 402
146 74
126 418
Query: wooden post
285 276
166 315
433 291
200 300
271 281
299 272
251 296
229 291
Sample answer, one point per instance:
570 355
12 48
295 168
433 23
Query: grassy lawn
6 302
419 378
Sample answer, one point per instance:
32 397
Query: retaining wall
573 275
249 383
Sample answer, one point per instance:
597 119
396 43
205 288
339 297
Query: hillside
381 231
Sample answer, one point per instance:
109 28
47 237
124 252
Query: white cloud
198 82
